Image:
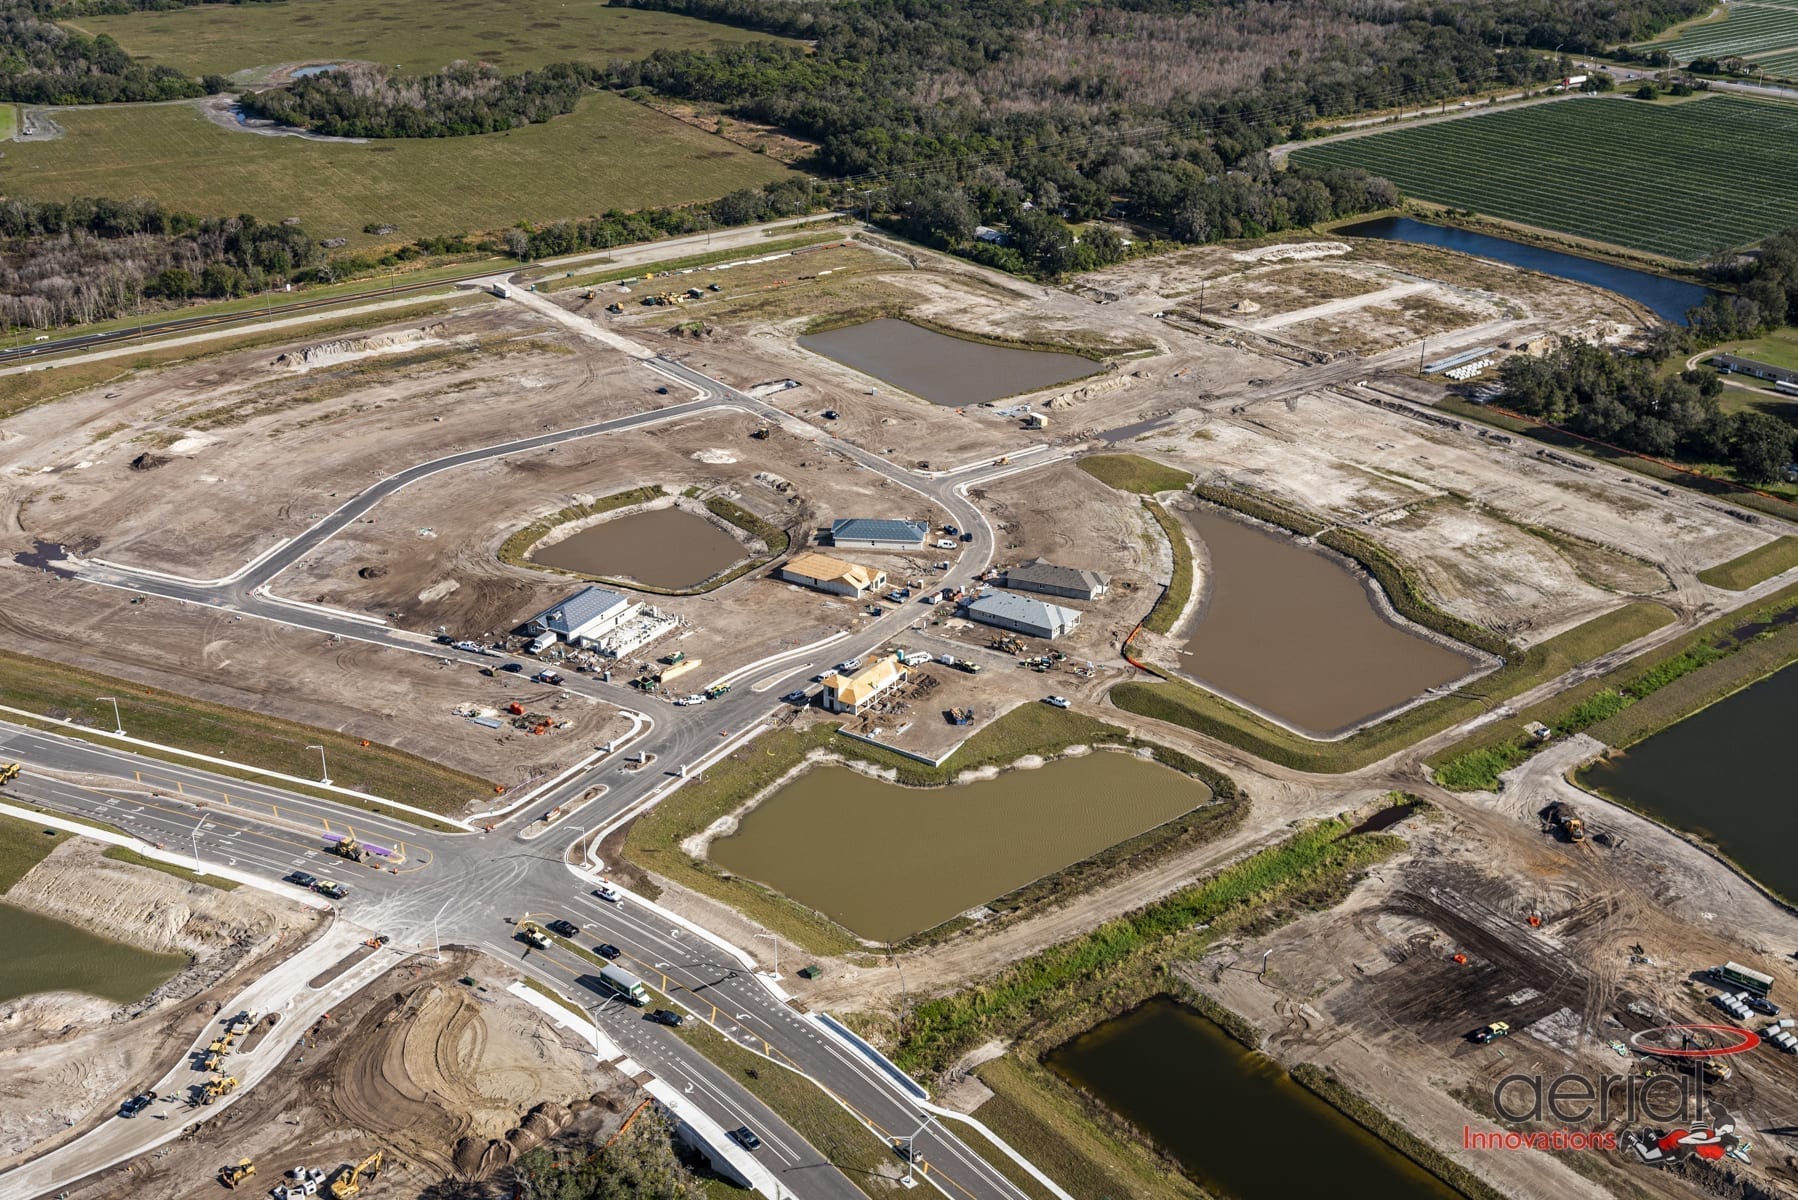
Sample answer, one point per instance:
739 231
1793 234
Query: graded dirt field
226 38
608 153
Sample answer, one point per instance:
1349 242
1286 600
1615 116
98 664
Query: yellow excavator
231 1176
9 771
349 1180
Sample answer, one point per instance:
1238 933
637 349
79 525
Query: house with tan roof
854 693
833 575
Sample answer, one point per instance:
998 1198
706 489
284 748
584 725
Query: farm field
225 38
1613 170
608 153
1763 31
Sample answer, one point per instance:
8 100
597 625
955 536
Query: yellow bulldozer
349 1180
231 1176
218 1085
9 771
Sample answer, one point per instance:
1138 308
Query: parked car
607 950
606 891
1491 1033
513 667
564 927
666 1016
1057 701
796 696
745 1137
137 1104
331 888
302 879
1764 1007
852 665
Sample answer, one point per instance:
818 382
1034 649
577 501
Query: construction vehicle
1491 1033
242 1023
534 934
9 771
348 847
231 1176
218 1085
760 434
674 659
349 1180
614 307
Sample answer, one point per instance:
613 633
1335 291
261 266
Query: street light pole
196 840
436 942
776 940
118 722
324 772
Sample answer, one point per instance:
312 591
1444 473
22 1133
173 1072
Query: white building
833 575
588 614
1022 614
870 533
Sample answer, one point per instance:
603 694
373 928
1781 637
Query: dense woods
41 62
1765 293
369 101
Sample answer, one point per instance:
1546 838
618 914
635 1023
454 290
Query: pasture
1764 32
1682 180
522 34
608 153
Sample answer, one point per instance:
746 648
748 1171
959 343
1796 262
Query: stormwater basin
1723 773
1233 1118
886 861
47 955
1668 299
944 370
661 547
1294 633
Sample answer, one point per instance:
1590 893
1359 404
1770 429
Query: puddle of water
315 69
1669 299
886 861
662 547
1722 773
1234 1119
47 955
1293 632
945 370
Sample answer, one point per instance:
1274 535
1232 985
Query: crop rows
1747 31
1685 180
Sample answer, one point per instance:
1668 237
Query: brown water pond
1291 631
945 370
661 547
43 954
886 861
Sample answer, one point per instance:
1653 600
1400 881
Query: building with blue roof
870 533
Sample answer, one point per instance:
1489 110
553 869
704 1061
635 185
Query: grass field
22 847
608 153
223 38
1778 349
1612 170
125 854
1758 565
1134 473
1761 32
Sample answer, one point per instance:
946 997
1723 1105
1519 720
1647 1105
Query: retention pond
886 861
660 547
1669 299
43 954
1294 633
1234 1119
1724 774
945 370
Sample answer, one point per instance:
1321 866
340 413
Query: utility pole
118 722
324 773
196 840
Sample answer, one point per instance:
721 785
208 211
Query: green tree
1763 447
641 1165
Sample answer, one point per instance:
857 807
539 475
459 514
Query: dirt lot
67 1061
449 1081
1372 989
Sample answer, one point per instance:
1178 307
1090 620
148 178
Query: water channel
945 370
43 954
1669 299
1234 1119
1291 631
661 547
886 861
1721 773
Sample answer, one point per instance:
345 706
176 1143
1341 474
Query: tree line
370 101
42 62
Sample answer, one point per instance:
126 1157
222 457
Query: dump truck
235 1174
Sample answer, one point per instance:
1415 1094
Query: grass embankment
576 279
834 1131
1182 703
1757 566
126 855
1721 657
23 846
653 842
607 153
1333 1092
1134 473
1039 1117
1043 999
267 742
1172 603
513 550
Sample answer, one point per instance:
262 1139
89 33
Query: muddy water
1724 773
662 547
1293 632
886 861
40 954
1234 1119
942 369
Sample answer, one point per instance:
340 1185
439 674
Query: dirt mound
147 462
349 349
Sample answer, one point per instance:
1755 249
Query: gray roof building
875 533
1022 614
585 613
1074 582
